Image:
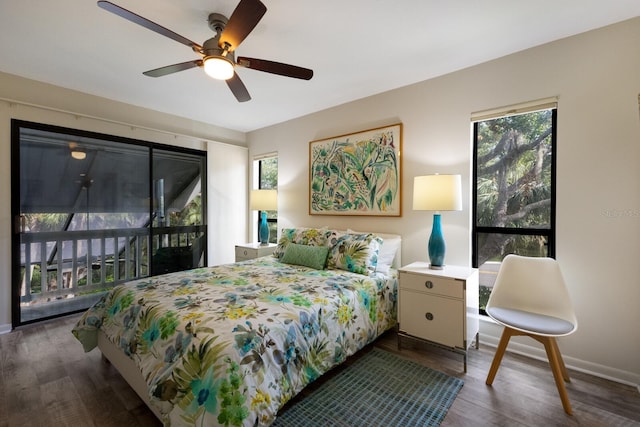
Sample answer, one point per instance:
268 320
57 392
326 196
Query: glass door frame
16 232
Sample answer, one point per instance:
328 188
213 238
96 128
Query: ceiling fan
217 53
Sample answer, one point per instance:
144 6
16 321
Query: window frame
548 233
257 184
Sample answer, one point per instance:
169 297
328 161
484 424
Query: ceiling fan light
218 67
78 154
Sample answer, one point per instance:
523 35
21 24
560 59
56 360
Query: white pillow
387 254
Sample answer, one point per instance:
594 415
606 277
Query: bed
231 344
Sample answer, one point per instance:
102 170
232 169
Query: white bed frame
127 368
130 371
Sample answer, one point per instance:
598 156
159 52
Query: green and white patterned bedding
231 344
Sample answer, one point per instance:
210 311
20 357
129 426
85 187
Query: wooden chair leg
502 346
565 373
555 361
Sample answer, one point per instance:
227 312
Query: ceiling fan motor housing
217 22
212 47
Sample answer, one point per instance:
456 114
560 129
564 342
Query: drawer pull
429 316
245 252
428 284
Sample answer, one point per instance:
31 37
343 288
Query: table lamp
264 200
437 193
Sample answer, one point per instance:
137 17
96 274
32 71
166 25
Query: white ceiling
356 48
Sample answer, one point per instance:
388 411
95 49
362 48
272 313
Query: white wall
227 210
43 103
596 76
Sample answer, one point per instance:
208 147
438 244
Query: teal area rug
378 389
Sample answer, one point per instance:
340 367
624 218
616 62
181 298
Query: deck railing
57 265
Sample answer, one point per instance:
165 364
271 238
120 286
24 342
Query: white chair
530 298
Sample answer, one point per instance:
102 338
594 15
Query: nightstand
439 306
253 250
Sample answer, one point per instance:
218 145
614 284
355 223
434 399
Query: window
265 173
514 191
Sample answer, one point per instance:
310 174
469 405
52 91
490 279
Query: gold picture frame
358 174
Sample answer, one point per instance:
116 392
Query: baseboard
595 369
5 329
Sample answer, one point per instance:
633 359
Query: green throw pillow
301 236
308 256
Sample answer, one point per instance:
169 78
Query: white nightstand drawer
253 250
433 318
245 253
432 284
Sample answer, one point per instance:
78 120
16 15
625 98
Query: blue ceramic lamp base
264 230
436 245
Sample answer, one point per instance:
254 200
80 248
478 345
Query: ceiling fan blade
170 69
242 21
275 68
238 88
150 25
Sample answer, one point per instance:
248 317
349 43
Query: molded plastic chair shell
530 298
530 295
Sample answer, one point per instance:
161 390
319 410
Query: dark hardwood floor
47 380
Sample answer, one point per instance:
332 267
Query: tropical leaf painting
357 174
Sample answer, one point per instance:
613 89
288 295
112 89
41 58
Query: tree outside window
267 173
514 193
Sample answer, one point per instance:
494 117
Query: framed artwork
357 174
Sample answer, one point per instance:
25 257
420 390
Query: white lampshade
437 193
218 67
264 200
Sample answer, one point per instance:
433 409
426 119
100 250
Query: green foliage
36 280
484 296
269 180
191 214
269 172
41 222
513 178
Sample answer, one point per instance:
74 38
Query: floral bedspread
231 344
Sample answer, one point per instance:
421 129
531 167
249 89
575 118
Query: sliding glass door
178 233
87 215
